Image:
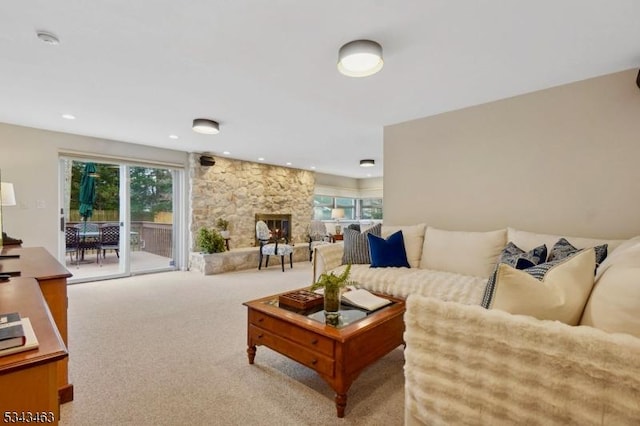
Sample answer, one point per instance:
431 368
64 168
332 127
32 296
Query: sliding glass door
116 219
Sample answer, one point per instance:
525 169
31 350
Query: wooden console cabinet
29 379
38 263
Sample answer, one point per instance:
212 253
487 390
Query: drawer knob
314 342
260 319
314 361
260 336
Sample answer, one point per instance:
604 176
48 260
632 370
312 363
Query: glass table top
348 314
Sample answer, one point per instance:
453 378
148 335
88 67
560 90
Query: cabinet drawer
306 338
315 361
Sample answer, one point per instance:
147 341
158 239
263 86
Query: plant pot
332 305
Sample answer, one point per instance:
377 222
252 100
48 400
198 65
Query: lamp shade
8 194
360 58
337 213
206 126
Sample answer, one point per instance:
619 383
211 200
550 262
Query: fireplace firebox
279 224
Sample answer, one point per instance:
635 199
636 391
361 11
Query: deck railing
156 238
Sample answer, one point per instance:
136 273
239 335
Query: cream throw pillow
560 296
413 240
467 253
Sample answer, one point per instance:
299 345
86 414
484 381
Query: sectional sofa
497 339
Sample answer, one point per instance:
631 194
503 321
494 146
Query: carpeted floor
170 349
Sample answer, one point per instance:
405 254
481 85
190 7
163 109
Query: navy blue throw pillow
388 253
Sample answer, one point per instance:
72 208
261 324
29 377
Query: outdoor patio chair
109 240
72 243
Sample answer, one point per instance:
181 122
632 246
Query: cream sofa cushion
467 253
561 295
413 240
527 240
614 304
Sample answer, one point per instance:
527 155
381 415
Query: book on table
361 298
11 331
31 342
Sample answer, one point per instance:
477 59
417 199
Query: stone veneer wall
236 190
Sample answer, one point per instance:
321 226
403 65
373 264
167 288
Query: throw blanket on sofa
401 282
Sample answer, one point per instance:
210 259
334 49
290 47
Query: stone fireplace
279 224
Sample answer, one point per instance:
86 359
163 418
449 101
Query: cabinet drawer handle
260 319
314 341
260 336
314 361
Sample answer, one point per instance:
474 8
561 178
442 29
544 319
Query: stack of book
16 334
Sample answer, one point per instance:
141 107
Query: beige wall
29 159
563 160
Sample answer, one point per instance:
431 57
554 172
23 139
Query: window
354 209
371 208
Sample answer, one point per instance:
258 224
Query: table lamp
8 198
337 214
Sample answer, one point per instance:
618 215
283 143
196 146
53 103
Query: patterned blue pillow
389 253
356 245
564 248
514 256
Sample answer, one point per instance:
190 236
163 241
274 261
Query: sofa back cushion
413 240
614 304
527 240
467 253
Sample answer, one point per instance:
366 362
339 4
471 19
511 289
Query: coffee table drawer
316 361
306 338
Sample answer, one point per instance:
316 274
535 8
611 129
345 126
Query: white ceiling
140 70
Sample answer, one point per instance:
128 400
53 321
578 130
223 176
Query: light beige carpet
170 349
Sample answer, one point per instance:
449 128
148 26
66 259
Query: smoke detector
48 37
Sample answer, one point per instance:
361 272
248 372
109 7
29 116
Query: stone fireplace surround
238 191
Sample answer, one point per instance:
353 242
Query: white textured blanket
401 282
469 366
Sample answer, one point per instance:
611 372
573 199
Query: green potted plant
223 227
332 285
210 241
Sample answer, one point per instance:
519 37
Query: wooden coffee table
338 354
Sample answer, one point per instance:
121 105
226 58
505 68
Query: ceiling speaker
206 160
638 79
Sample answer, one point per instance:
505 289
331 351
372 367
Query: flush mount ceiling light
48 37
206 126
360 58
367 163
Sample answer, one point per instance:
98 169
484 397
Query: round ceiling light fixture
360 58
48 37
206 126
367 163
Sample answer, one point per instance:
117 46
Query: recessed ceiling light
68 116
226 153
288 163
313 167
367 163
48 37
206 126
260 158
368 174
173 137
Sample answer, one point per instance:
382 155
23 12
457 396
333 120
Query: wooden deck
141 261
